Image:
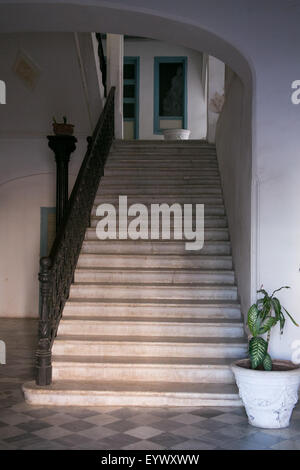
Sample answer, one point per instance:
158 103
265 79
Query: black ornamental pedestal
62 146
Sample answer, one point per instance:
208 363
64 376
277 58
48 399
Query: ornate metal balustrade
57 270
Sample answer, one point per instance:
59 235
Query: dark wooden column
62 146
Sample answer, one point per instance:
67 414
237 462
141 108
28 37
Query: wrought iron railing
57 270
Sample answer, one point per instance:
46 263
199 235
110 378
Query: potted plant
62 128
268 388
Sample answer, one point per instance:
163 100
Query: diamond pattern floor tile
113 428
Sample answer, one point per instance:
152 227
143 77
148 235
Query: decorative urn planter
60 128
176 134
269 397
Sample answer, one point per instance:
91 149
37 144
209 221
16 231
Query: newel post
43 354
62 146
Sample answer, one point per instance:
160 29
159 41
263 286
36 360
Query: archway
90 16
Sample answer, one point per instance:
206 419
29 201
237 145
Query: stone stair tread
158 320
152 339
199 167
215 229
163 150
206 218
155 195
162 361
212 205
199 179
155 270
166 242
168 170
171 302
135 387
180 190
183 156
157 255
197 154
179 180
161 161
150 148
160 285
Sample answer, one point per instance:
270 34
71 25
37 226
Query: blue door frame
157 118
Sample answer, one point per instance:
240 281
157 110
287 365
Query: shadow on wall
234 144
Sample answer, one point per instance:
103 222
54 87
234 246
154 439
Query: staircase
147 322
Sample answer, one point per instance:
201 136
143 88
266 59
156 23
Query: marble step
161 199
161 172
164 177
150 275
158 149
103 326
157 160
209 209
163 146
163 149
171 308
184 261
210 223
216 234
171 190
161 141
147 164
142 369
147 247
149 346
159 180
147 394
153 291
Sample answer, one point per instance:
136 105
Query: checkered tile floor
27 427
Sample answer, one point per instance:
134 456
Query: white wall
233 141
27 168
115 66
215 90
147 50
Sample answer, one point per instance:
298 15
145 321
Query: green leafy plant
64 120
262 317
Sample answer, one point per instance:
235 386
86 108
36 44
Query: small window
128 110
129 91
129 71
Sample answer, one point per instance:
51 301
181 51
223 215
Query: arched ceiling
87 15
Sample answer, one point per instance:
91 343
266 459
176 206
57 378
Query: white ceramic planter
269 397
176 134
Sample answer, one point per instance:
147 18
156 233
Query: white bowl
176 134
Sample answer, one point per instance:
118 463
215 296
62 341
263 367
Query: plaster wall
27 167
